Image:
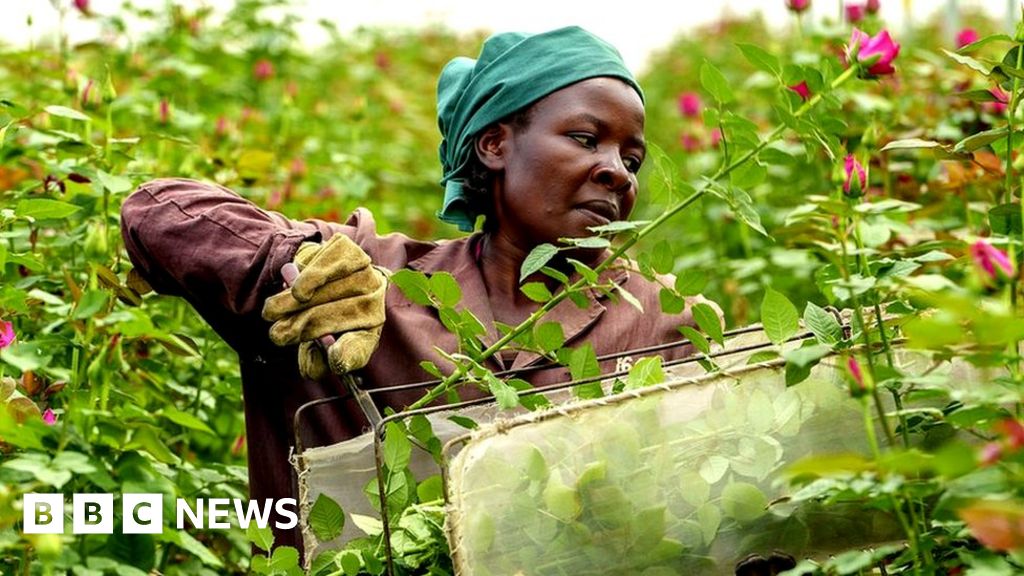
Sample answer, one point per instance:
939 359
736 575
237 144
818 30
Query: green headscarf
514 70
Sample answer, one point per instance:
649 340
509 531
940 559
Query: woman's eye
586 140
632 164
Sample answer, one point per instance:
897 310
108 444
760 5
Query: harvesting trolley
687 476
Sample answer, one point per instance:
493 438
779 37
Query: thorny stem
460 370
1011 112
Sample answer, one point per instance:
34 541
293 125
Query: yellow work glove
338 292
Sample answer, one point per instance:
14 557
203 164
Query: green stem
859 317
460 370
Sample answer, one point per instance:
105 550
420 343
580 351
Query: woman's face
573 166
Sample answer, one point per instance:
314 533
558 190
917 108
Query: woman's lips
600 210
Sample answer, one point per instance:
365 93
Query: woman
542 136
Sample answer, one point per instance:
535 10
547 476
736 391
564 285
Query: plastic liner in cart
685 478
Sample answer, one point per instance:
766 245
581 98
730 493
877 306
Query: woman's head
572 166
501 91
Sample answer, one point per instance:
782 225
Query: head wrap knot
514 70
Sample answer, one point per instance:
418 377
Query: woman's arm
214 248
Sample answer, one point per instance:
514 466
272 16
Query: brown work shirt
223 254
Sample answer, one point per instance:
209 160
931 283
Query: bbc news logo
144 513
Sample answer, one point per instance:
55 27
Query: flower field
836 165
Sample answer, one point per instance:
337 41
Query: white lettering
43 513
142 513
196 516
279 506
253 511
92 513
217 508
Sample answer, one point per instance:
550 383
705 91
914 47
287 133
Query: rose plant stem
460 370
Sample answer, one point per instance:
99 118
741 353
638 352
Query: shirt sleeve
216 249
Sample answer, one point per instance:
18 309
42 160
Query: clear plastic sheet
685 478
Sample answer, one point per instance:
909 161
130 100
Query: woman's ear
491 145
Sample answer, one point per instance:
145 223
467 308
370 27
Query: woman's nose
612 174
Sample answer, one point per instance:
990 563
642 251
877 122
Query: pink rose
798 6
689 104
801 89
690 142
1002 99
991 453
966 36
854 12
878 50
994 264
854 187
716 137
1013 430
857 386
263 69
6 334
165 111
873 6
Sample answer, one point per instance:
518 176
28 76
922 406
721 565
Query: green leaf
629 297
743 502
969 62
694 489
536 291
504 395
44 208
185 419
262 538
670 302
807 355
445 289
779 317
708 321
430 489
645 372
1005 219
691 282
980 140
662 258
115 184
696 338
65 112
537 259
762 356
741 203
27 356
368 524
917 144
414 285
396 449
748 175
715 83
285 559
619 226
90 304
560 500
549 336
822 324
760 58
326 518
593 242
583 362
709 518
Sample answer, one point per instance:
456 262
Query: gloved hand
337 292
